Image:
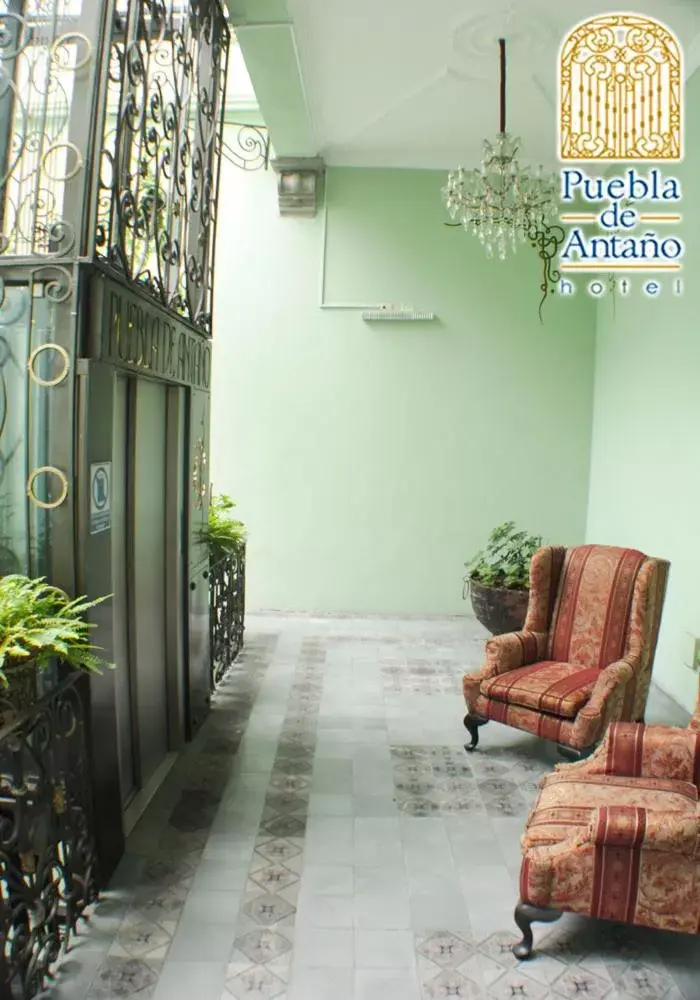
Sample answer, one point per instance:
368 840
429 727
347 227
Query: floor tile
328 880
201 942
324 948
326 911
322 984
385 949
185 980
325 836
376 984
382 911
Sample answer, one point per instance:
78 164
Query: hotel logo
620 91
620 101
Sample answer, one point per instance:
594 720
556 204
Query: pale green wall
371 460
645 469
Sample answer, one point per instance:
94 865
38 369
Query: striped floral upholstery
585 654
558 688
618 835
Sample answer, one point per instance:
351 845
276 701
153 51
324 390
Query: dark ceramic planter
498 609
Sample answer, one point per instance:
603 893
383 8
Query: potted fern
39 624
225 536
498 578
224 533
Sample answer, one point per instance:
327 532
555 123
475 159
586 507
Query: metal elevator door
148 571
125 703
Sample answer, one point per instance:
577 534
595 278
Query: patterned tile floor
326 838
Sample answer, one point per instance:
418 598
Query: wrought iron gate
111 119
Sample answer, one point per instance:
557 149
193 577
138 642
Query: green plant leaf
505 561
39 622
223 534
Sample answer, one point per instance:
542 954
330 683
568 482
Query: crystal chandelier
501 202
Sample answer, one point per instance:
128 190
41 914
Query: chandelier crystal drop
501 202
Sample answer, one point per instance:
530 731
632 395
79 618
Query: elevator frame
111 124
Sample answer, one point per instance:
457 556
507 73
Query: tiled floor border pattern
261 961
155 879
591 964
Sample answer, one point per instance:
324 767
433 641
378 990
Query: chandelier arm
502 101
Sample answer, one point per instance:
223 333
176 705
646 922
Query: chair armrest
633 750
653 830
503 653
514 649
605 705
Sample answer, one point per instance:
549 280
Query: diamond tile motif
256 984
170 871
449 983
286 802
285 826
422 677
262 946
124 977
142 937
273 878
516 984
290 783
446 950
641 981
577 984
442 781
160 905
363 680
267 909
278 849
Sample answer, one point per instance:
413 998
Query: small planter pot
497 608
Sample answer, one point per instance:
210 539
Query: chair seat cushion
568 799
560 689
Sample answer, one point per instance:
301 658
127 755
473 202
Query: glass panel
15 321
38 159
47 366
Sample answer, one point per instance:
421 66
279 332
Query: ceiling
398 83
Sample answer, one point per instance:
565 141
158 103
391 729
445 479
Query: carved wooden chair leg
525 916
572 756
472 724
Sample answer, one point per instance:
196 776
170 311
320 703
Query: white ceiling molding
474 43
402 84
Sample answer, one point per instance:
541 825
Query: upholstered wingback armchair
584 656
617 836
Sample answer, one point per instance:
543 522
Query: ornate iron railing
226 611
47 857
161 148
248 146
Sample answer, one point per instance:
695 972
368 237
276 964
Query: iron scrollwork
251 149
41 67
47 855
161 149
546 240
227 612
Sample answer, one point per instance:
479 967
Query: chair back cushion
592 609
